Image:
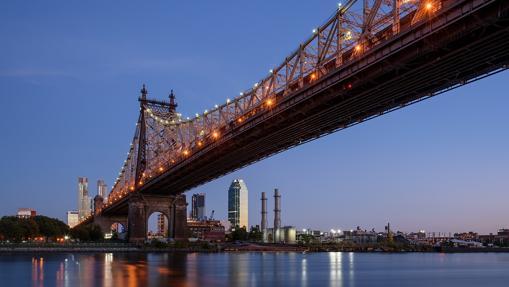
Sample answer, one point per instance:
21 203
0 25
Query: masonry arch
118 230
158 225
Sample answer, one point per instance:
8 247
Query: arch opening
118 231
158 226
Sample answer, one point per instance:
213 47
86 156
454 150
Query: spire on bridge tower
144 92
173 104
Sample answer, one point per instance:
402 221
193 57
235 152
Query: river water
254 269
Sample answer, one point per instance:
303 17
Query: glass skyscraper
238 204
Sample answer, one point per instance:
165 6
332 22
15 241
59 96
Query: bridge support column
106 222
140 207
137 219
178 218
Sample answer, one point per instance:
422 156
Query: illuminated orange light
200 143
270 102
239 120
215 135
161 168
429 6
186 152
358 48
132 188
313 76
140 183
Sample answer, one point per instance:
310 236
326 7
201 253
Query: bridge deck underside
433 56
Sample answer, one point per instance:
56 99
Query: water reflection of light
351 266
34 270
304 268
60 275
37 271
192 269
335 263
239 269
108 276
67 265
292 265
41 270
131 275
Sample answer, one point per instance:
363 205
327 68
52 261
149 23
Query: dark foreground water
255 269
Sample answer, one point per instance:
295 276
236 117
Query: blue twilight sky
70 73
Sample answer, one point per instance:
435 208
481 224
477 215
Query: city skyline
431 166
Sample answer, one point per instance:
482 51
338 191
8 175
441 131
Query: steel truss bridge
357 66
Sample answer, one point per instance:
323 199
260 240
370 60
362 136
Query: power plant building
263 224
277 234
238 204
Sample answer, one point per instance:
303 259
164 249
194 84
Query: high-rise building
102 189
72 218
238 204
198 206
162 225
84 200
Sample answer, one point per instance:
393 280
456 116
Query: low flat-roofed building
359 236
26 213
208 230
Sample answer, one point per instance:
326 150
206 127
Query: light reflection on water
254 269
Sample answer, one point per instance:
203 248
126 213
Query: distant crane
212 215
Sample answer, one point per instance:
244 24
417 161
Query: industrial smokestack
264 217
264 212
277 209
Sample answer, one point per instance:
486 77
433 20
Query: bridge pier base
136 219
178 218
106 222
142 206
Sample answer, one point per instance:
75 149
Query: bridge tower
173 104
140 205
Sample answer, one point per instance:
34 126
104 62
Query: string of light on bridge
339 40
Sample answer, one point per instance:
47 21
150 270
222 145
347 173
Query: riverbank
474 250
113 248
204 247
